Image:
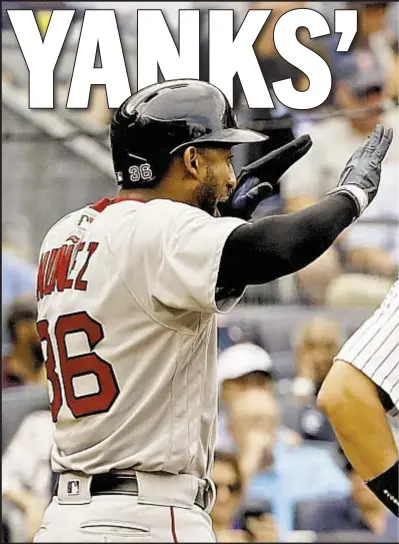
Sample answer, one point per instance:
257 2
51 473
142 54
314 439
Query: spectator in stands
274 68
244 365
376 34
27 479
227 478
393 76
230 334
359 84
273 470
315 344
280 122
361 511
374 248
18 278
25 363
257 520
241 367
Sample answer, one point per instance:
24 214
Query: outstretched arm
277 245
274 246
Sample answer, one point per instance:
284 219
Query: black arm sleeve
274 246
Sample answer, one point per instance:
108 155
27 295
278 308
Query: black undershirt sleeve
259 252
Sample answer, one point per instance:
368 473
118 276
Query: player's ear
191 161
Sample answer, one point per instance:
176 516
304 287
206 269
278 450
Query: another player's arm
351 401
354 408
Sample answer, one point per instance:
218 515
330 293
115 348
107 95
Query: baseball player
127 291
361 386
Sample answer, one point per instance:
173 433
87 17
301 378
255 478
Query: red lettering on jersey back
81 284
85 364
52 375
62 281
78 249
49 281
73 366
40 275
56 265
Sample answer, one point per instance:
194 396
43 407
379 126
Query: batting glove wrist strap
385 487
361 176
356 193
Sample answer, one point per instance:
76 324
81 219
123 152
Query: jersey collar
105 202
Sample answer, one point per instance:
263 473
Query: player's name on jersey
64 268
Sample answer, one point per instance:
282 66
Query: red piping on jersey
104 202
173 524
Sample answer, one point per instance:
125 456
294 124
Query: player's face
216 178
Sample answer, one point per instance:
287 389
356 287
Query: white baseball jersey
126 306
374 347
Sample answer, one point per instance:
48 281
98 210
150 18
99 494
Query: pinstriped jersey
127 319
374 347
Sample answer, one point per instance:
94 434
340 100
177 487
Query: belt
117 484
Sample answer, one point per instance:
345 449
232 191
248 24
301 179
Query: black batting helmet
165 118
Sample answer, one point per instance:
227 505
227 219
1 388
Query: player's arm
353 405
274 246
277 245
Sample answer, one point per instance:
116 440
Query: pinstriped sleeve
374 347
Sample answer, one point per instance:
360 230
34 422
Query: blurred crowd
279 472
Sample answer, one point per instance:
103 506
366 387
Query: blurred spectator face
254 422
254 380
370 97
372 16
22 330
359 84
318 342
26 335
226 477
242 367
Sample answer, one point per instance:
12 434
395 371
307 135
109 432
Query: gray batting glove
360 178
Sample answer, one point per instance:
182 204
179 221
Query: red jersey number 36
76 366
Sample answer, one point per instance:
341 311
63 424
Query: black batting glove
257 180
360 178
